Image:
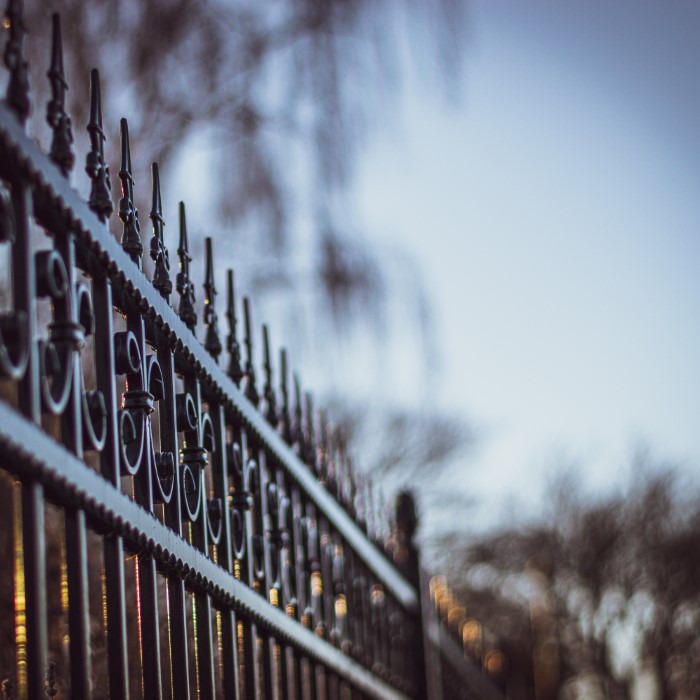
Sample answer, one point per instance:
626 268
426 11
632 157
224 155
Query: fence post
407 559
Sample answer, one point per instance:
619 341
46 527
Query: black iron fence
167 531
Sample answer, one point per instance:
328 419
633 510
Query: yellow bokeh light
495 662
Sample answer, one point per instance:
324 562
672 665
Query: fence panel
211 536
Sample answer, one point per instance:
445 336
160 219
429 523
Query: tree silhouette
597 598
280 94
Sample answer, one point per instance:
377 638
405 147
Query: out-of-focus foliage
280 94
600 598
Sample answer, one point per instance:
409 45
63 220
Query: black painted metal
247 518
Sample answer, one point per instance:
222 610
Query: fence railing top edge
47 180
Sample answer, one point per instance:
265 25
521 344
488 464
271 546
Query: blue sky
553 214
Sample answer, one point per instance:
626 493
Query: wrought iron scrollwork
14 349
14 334
241 501
199 440
7 217
144 388
245 490
65 336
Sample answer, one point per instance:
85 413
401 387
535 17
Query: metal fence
167 531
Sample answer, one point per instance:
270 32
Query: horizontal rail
59 201
29 452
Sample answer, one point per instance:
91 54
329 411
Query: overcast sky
554 218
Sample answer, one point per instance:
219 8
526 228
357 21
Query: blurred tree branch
605 589
284 91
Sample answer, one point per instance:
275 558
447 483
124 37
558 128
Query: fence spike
284 391
323 451
352 488
131 237
338 465
17 95
159 253
269 391
309 437
361 504
298 429
371 512
62 141
234 366
184 284
212 343
250 391
98 171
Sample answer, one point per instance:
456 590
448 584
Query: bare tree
282 95
597 597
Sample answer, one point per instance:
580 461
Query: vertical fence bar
177 609
138 402
72 434
229 645
114 582
200 539
168 429
33 536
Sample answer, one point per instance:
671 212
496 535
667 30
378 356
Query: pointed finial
371 510
17 95
323 462
352 487
98 171
211 340
184 284
250 391
298 428
159 253
234 366
61 144
131 237
309 438
285 419
361 503
269 392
